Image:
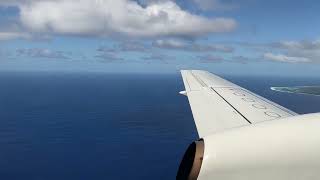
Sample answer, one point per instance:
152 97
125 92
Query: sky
250 37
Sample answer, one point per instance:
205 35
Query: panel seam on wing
231 106
199 80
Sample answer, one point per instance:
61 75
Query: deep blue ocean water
80 126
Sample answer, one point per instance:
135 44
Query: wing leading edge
218 104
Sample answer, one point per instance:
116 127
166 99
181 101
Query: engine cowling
286 149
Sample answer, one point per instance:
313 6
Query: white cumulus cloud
115 17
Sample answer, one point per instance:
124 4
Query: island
309 90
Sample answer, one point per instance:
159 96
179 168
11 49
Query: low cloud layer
13 35
112 18
298 45
172 44
126 46
109 57
285 58
296 51
43 53
304 51
165 59
210 59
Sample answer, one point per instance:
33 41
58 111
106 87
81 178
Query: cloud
43 53
284 58
112 18
132 46
173 44
297 45
243 59
158 57
4 54
211 59
238 59
170 44
127 46
13 35
108 55
306 49
6 3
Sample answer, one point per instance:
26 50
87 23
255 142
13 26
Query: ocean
80 126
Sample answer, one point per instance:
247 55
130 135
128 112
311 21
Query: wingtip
182 71
183 93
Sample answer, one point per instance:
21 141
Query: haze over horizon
252 37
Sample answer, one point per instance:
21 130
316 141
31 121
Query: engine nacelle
285 149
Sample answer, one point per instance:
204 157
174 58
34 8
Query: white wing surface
218 104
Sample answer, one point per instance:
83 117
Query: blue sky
160 36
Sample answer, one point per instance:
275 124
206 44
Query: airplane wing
218 104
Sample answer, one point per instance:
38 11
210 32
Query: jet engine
284 149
